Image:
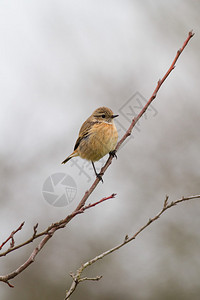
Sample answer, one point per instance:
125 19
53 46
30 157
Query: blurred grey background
60 60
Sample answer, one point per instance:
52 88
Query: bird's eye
103 116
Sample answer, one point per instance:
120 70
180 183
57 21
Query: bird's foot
99 175
113 153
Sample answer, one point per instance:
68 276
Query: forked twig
77 276
11 237
49 234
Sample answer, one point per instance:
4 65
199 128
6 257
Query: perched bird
97 137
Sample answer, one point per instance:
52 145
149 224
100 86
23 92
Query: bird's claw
113 153
99 176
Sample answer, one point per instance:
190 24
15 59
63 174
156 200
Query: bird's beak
114 116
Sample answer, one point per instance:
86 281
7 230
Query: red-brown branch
11 237
81 206
135 120
160 82
49 234
98 202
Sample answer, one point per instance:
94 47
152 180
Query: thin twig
77 277
11 236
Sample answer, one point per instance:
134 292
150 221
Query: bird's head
104 114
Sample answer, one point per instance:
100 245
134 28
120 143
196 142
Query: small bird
97 137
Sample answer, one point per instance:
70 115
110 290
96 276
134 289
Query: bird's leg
113 153
97 174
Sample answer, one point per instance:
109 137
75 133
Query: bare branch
102 200
11 237
90 278
160 82
135 120
49 232
77 277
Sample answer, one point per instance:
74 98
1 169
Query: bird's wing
84 131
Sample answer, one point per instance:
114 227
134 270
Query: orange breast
102 139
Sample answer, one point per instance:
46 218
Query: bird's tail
70 156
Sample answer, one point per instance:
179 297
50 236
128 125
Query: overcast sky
60 60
